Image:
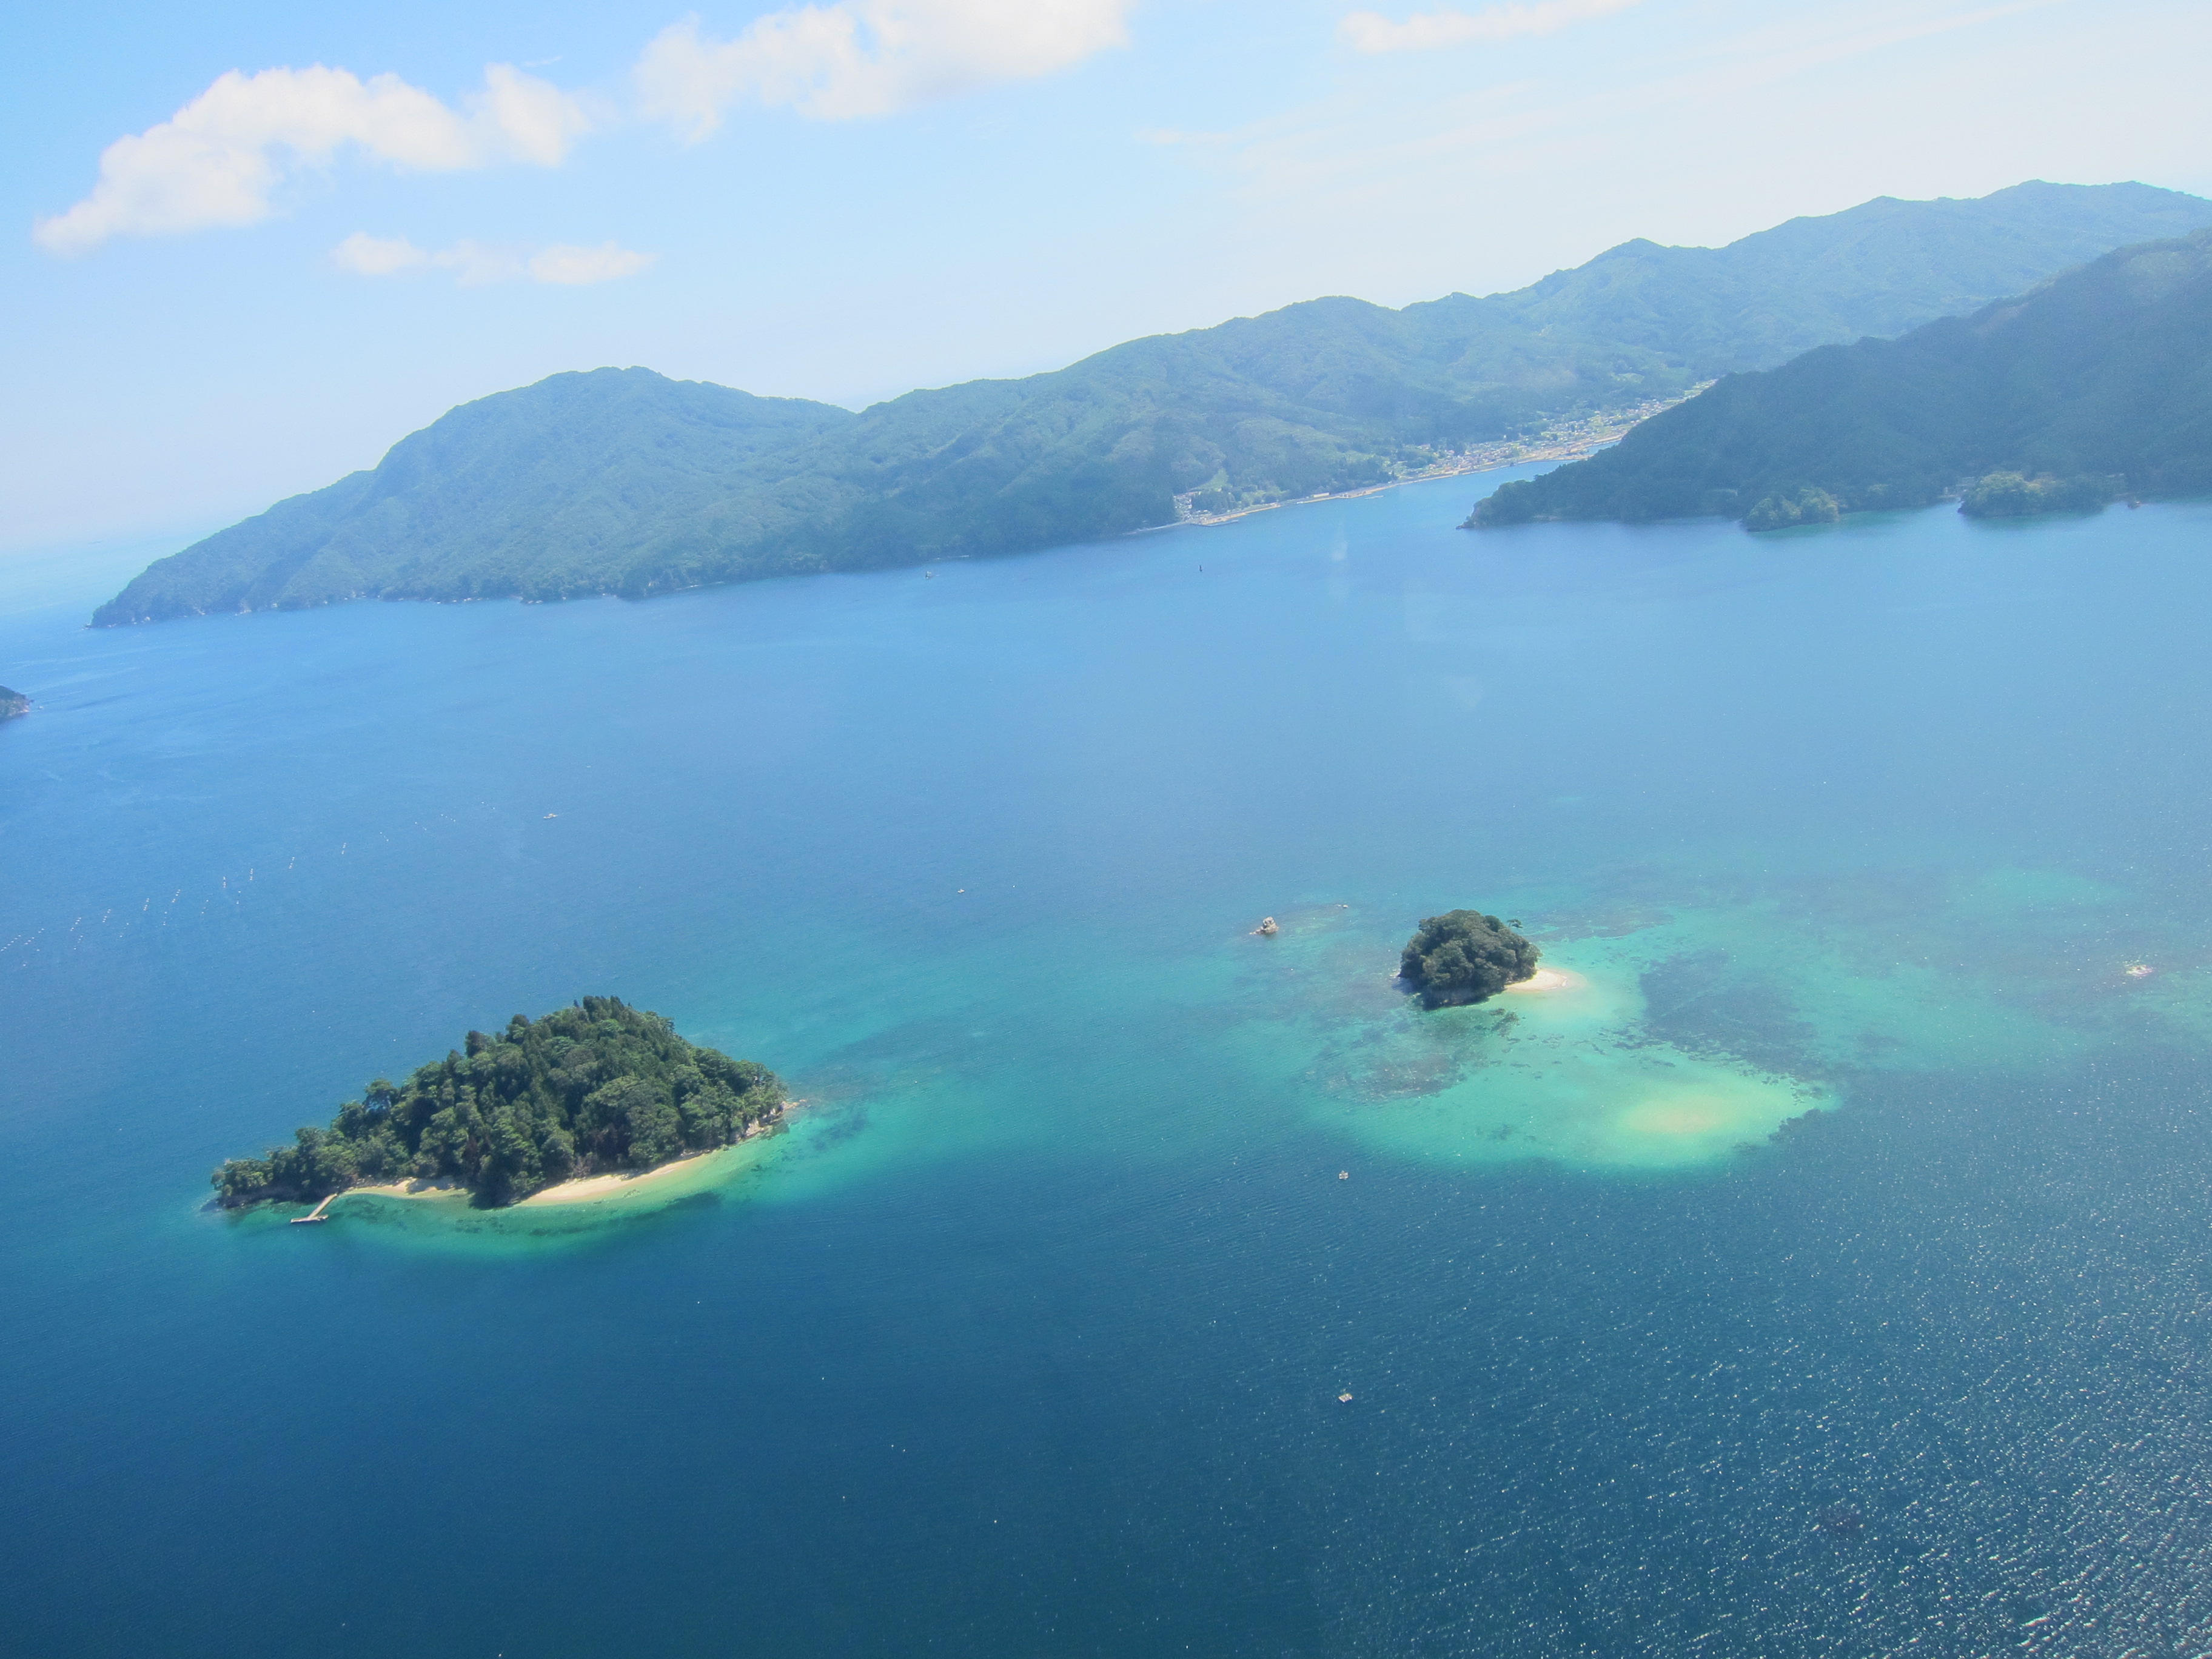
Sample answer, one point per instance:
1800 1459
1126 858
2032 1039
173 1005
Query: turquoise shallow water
1828 1274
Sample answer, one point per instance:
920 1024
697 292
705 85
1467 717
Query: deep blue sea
1829 1272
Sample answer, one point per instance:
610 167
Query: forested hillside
2098 381
597 1085
619 481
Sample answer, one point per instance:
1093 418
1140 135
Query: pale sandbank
585 1190
1548 981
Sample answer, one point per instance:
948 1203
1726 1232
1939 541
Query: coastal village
1559 440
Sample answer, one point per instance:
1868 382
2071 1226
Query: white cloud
563 263
474 263
218 161
1177 136
1370 31
525 118
376 256
857 57
1609 118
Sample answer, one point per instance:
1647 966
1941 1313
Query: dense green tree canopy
2009 495
622 482
1464 955
597 1086
2098 380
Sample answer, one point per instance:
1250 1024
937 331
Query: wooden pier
316 1214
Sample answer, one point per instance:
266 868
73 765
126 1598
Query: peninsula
13 703
1464 955
2095 384
596 1088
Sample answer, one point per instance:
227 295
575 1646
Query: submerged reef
1464 955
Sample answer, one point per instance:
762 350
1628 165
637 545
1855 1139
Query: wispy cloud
1371 31
576 266
1346 149
377 256
859 58
1178 136
474 263
219 161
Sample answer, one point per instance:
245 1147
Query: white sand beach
586 1188
1548 981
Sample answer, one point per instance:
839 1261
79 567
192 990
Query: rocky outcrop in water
1464 955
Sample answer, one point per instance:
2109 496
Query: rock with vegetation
2097 380
620 481
2011 495
1805 504
597 1087
13 703
1464 955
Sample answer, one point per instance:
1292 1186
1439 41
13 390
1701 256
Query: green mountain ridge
2097 381
621 480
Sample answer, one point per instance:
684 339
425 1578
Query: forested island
2097 382
2013 495
596 1087
13 703
1464 955
621 480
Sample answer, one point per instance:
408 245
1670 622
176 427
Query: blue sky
258 244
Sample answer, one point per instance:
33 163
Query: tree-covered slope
532 492
1880 268
2103 373
1465 956
622 482
596 1086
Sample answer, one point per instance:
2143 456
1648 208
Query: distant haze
254 246
624 481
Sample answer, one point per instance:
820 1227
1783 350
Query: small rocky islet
1464 956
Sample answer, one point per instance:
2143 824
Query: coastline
663 1179
1584 438
1544 982
404 1189
593 1189
1548 981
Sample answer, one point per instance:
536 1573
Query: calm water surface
1833 1277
